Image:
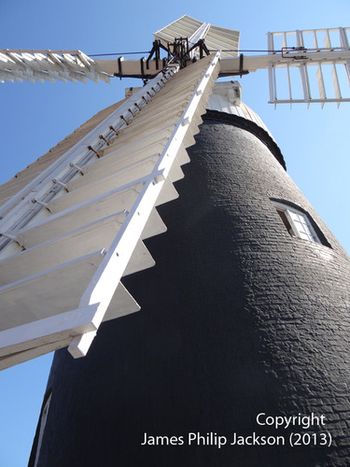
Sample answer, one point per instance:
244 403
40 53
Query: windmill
78 226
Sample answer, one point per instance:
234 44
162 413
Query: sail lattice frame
78 244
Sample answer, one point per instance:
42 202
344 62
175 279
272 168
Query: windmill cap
216 38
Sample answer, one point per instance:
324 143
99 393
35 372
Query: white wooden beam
102 285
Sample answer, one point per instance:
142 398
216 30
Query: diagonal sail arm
67 279
101 287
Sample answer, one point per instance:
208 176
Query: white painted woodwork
324 58
17 209
72 244
66 281
123 195
74 218
33 65
34 352
102 286
56 332
46 294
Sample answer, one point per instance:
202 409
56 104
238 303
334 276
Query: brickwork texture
237 318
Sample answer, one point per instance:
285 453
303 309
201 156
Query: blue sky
36 116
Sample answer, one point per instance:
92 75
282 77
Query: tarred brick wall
237 318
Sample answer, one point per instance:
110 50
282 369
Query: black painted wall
237 318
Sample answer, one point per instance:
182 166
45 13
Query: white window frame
299 222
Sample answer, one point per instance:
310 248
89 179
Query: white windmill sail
43 65
83 231
321 56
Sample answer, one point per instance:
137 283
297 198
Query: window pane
297 223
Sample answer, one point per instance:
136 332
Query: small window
297 223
